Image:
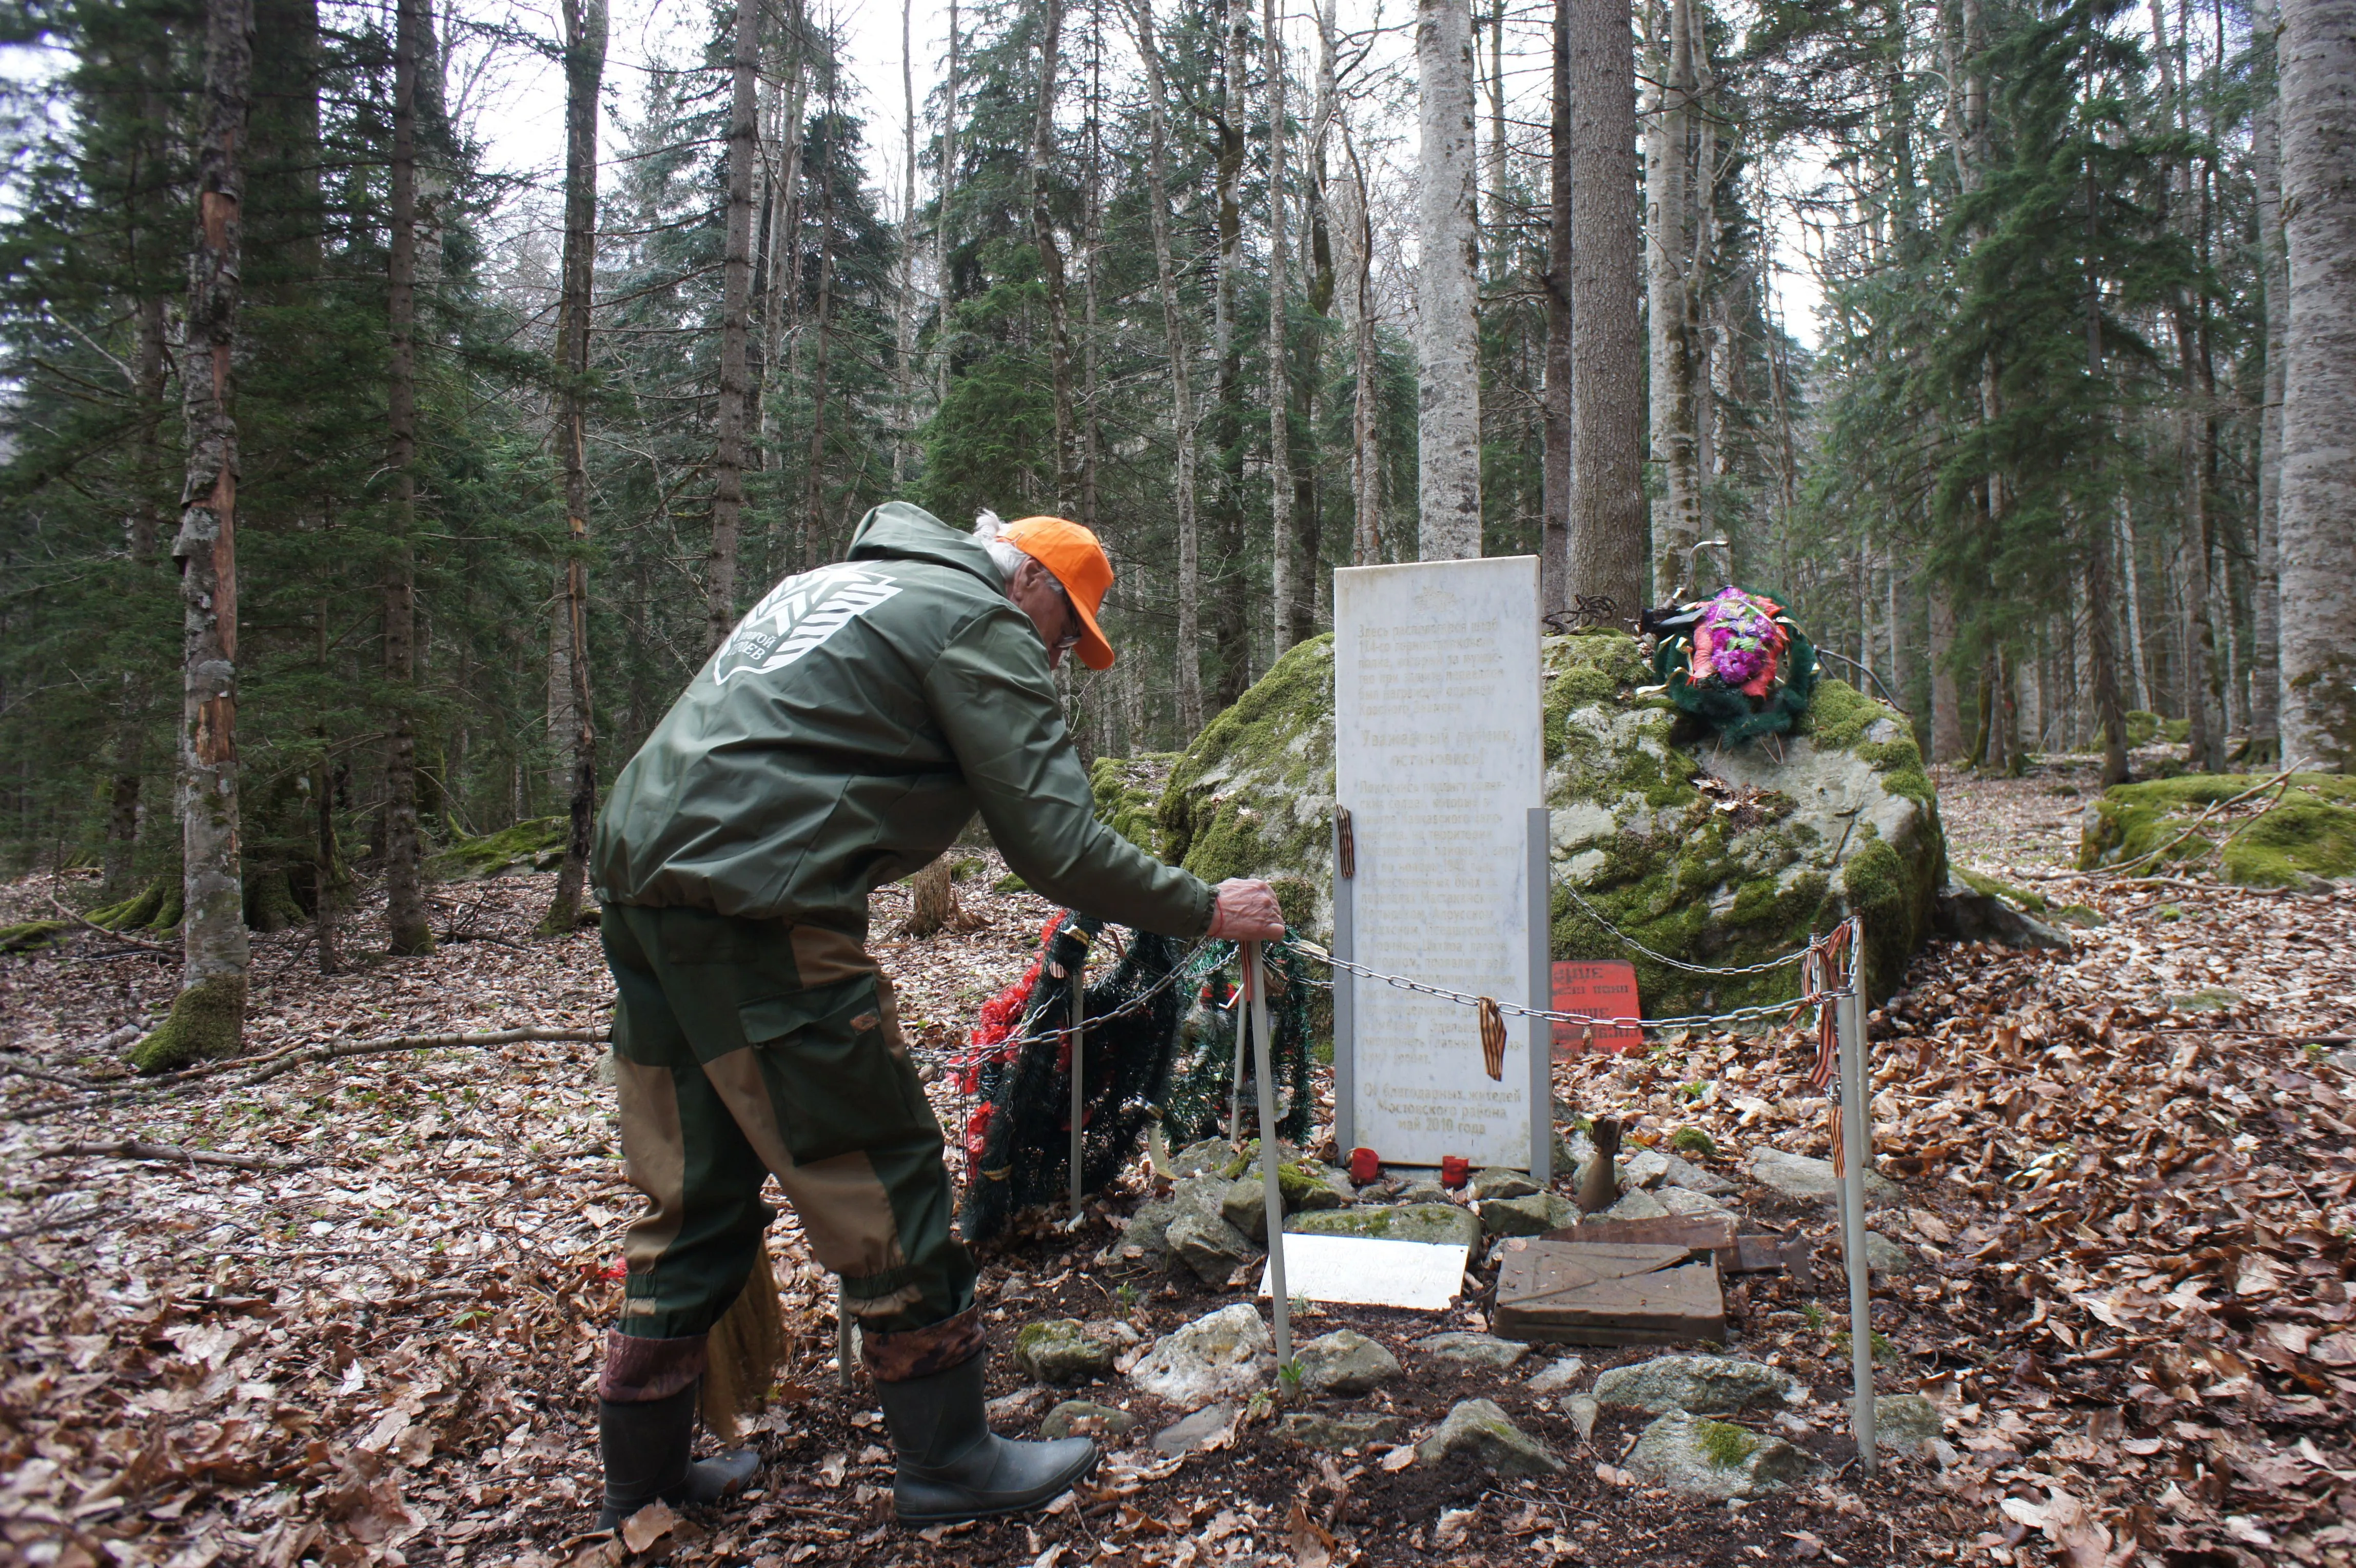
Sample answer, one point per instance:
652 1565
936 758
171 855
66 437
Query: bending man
842 736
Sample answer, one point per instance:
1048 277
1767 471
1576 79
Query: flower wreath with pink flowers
1734 661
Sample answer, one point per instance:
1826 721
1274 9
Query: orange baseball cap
1078 561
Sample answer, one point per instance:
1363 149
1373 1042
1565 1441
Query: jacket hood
897 531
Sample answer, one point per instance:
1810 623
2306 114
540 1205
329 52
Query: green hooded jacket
847 732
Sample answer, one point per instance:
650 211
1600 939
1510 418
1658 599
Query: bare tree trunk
1314 601
1554 547
406 931
208 1017
1231 631
1050 254
780 300
1946 697
941 335
1365 461
584 72
2266 137
903 367
1608 552
737 292
814 465
327 887
1284 571
1676 514
1448 430
2102 620
1173 329
142 527
2131 574
2316 537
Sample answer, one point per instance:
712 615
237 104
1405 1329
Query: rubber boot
645 1448
952 1467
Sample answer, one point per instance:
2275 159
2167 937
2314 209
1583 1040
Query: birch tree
1066 478
1448 345
208 1017
2265 149
2318 526
1285 619
1676 513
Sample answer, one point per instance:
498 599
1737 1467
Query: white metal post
1540 830
1079 1103
1271 1185
1346 1002
1856 1149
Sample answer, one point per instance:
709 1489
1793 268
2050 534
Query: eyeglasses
1071 638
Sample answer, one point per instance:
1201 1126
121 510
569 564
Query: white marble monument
1439 761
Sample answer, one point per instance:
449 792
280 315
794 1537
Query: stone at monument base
1588 1292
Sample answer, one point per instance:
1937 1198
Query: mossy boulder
534 845
1129 795
2310 833
1254 795
1708 855
29 935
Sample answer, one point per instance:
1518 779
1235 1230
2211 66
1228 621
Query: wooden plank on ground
1707 1236
1591 1293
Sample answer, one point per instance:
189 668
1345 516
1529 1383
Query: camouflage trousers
745 1049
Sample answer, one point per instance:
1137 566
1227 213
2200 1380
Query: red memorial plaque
1603 990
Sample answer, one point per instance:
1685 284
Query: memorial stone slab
1439 761
1583 1293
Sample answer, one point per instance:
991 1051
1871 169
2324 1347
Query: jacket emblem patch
798 615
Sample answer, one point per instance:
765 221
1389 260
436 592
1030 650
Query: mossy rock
1254 795
1708 855
535 846
2143 728
2311 834
1993 887
30 936
1129 795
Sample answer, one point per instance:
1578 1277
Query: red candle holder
1365 1166
1455 1170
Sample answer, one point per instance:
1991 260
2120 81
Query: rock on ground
1478 1427
1500 1183
1704 1385
1209 1246
1316 1429
1582 1409
1636 1204
1226 1352
1473 1350
1344 1362
1190 1434
1062 1350
1683 1173
1086 1418
1885 1257
1435 1222
1905 1423
1713 1458
1801 1177
1687 1203
1555 1375
1528 1215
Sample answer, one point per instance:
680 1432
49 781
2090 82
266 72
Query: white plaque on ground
1439 759
1359 1271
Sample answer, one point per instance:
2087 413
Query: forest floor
372 1333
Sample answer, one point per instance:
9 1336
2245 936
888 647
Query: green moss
1839 714
1989 888
2142 726
1127 792
1726 1445
207 1021
31 935
1009 883
1882 891
1253 796
2311 832
155 906
2176 732
2085 917
1591 665
1692 1140
538 844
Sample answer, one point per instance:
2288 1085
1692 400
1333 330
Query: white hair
987 525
